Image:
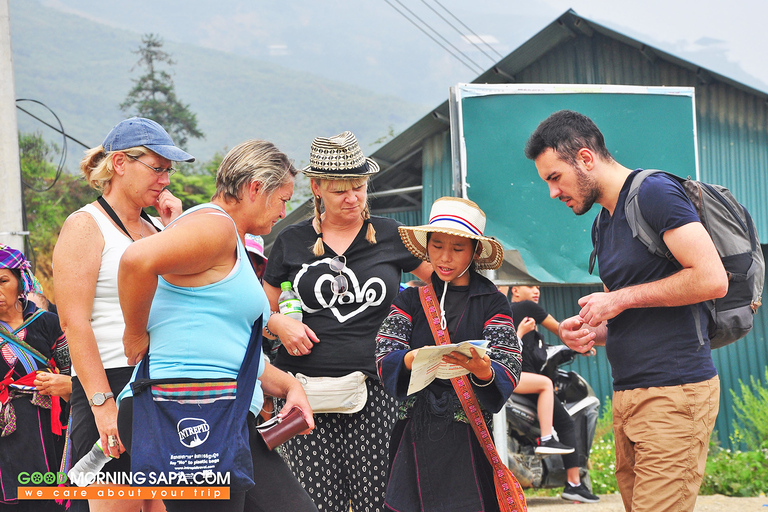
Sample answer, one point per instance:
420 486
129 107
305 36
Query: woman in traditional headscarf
34 367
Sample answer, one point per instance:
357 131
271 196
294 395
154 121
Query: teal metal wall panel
437 173
409 217
738 361
732 129
733 146
562 302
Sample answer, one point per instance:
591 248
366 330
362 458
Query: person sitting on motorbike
527 313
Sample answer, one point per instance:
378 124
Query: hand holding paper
429 365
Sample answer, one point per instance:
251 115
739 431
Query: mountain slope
82 70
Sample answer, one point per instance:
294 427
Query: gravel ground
612 503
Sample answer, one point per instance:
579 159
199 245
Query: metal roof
567 26
400 158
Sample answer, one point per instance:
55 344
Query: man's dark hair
566 132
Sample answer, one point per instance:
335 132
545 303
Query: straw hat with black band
338 158
459 217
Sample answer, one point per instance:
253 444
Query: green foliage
602 458
46 210
751 410
729 473
736 473
386 137
192 189
154 95
82 70
604 427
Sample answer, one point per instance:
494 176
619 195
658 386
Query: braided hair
370 235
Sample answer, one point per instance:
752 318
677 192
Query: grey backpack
735 237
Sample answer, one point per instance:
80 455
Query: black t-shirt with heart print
345 324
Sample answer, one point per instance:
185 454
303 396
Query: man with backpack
666 389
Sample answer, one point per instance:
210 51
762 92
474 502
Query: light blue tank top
202 332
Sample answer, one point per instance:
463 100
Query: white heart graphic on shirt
371 294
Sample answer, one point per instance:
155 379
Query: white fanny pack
345 395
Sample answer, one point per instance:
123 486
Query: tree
154 96
47 201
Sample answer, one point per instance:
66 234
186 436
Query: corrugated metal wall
733 151
437 172
732 124
562 302
733 146
409 218
736 362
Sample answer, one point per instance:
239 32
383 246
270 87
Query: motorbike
582 405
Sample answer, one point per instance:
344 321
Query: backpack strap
647 235
640 228
637 223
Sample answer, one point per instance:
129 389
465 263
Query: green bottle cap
285 285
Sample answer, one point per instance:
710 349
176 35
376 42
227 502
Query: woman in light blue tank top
190 296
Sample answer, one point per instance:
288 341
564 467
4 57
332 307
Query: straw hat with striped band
338 157
454 216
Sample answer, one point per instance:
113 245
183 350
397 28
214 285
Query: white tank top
107 317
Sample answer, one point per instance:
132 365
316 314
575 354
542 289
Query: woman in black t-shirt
345 266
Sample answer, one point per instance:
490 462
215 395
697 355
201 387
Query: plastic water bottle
289 302
85 471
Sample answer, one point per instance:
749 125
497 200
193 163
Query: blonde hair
253 160
340 185
97 166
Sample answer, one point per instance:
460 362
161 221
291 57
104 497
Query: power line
478 66
470 30
477 69
459 31
63 159
49 125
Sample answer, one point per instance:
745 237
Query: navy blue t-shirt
649 347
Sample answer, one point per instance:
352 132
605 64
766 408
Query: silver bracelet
487 383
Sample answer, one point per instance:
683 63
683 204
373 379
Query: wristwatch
100 398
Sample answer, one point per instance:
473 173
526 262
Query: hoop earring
18 306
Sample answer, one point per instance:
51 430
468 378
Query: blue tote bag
194 432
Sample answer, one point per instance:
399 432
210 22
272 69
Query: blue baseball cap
139 131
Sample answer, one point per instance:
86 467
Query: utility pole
11 220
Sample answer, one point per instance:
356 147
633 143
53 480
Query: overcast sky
729 37
739 25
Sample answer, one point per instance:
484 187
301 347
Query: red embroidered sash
508 490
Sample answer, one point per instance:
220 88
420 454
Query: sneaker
552 447
580 493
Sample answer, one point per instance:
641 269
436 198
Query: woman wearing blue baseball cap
132 169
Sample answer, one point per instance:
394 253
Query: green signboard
648 127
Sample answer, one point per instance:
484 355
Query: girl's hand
478 366
409 357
